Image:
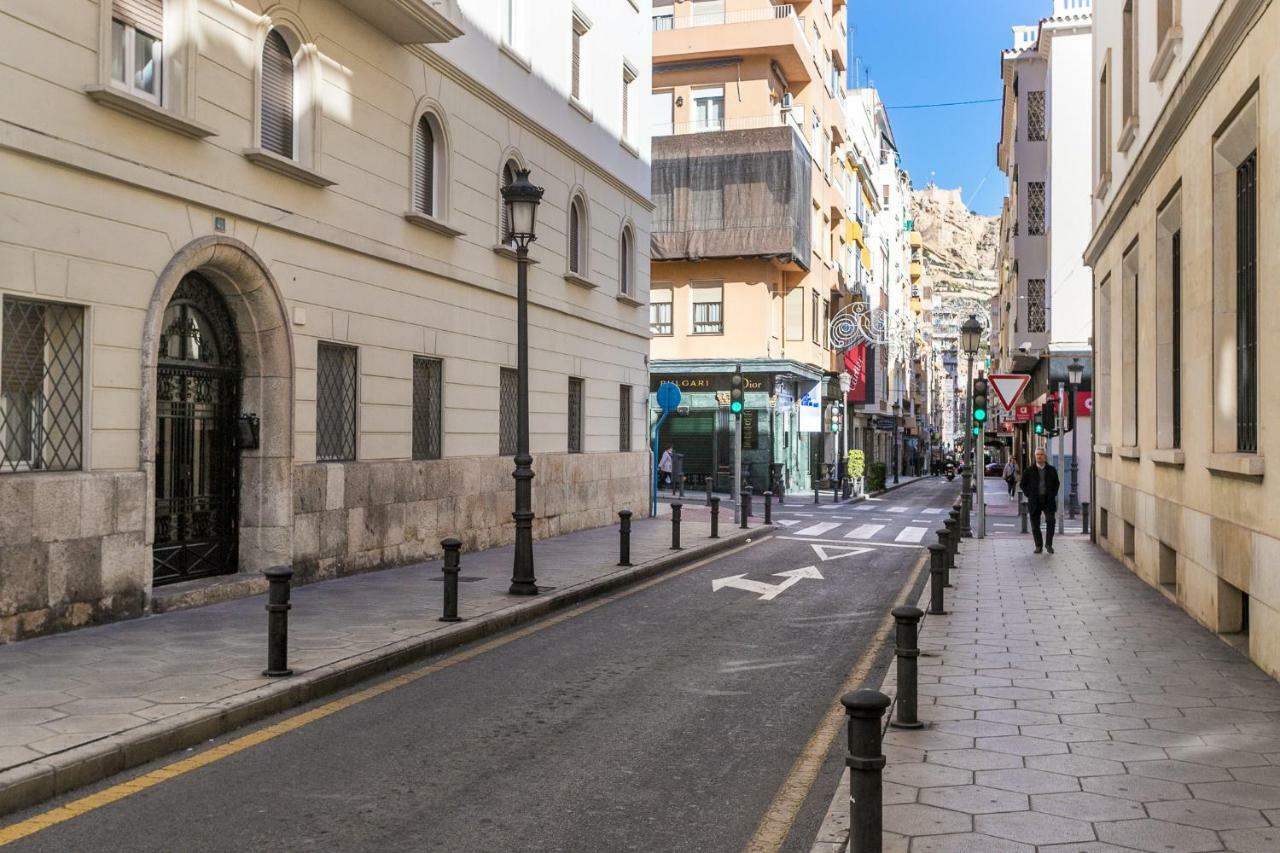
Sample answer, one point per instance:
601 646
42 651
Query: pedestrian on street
664 466
1011 476
1040 484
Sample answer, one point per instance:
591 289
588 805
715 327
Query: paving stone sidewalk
1072 708
79 706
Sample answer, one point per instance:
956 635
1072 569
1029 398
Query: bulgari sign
711 382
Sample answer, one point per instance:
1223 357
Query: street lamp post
970 340
1075 375
521 199
897 463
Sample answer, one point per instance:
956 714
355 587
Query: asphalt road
664 719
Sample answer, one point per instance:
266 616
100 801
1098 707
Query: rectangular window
575 71
1175 318
660 311
1104 123
1035 305
708 307
624 418
575 415
794 308
428 406
511 23
1129 69
1130 349
708 109
1035 116
813 316
1102 335
41 386
335 402
662 106
628 78
1247 305
1035 208
663 15
508 389
137 33
826 323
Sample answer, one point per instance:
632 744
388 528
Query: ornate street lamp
521 200
1075 375
970 340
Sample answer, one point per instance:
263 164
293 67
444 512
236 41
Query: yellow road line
772 831
74 809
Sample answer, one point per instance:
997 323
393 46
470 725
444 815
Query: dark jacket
1031 487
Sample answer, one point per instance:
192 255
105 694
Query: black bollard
715 517
937 568
1022 513
682 485
278 607
835 491
908 651
768 507
624 537
675 526
453 565
865 762
815 490
744 511
708 484
1084 517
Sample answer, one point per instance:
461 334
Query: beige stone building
258 306
1187 311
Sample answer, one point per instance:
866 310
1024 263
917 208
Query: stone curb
30 784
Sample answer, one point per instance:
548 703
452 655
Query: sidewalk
81 706
1068 703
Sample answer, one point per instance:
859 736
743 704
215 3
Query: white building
291 212
1043 310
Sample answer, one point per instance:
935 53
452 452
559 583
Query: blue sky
931 51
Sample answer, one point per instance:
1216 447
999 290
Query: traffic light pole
981 473
1062 448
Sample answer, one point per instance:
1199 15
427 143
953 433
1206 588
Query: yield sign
835 552
1009 387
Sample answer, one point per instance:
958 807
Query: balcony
917 270
792 118
854 234
916 240
732 194
411 21
773 31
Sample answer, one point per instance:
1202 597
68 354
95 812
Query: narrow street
666 717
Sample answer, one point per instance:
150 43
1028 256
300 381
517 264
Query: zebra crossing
870 521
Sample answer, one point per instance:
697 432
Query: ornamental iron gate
197 465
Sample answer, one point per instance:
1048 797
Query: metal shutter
508 178
424 168
625 251
574 247
577 63
277 96
145 15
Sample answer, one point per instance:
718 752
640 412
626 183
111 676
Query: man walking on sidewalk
1011 476
1040 484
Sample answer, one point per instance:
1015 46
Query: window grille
1035 116
424 169
277 95
41 386
1035 207
575 415
624 418
508 390
1035 305
428 400
1247 305
335 402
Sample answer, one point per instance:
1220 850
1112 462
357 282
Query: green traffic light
975 430
736 407
1039 429
979 415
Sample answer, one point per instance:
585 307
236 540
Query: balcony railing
794 118
713 19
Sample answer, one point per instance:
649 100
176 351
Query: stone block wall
356 516
72 550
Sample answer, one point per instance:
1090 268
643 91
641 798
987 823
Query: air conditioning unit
786 102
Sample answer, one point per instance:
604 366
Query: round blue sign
668 396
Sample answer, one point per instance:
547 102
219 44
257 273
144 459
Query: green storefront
703 431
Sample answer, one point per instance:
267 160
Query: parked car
995 469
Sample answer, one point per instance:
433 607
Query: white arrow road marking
835 552
865 531
818 529
768 592
911 534
787 522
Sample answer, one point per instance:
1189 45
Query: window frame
627 261
508 375
625 418
307 109
578 266
579 76
657 288
718 323
575 418
354 449
129 49
437 452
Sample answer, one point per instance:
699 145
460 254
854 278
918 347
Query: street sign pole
668 399
979 457
1062 449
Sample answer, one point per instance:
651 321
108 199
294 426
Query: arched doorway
198 381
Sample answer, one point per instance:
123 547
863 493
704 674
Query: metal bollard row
452 566
865 760
675 526
768 507
624 537
278 606
715 517
907 649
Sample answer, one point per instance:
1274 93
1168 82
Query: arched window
425 166
626 263
508 178
577 236
277 96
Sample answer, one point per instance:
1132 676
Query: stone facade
116 196
1183 496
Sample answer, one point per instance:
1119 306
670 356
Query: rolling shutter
277 96
424 168
508 178
625 273
145 15
574 245
577 63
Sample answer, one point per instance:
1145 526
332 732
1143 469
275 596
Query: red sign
855 364
1084 404
1024 412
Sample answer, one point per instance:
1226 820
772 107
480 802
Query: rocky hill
959 245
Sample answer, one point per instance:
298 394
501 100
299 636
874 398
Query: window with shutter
624 273
424 168
137 34
508 178
575 237
577 63
277 96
